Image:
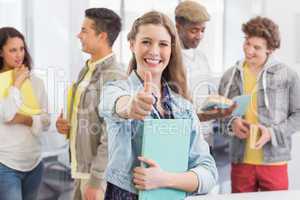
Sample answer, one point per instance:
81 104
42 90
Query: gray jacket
91 137
278 97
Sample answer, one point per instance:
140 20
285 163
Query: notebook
242 104
221 102
216 101
166 141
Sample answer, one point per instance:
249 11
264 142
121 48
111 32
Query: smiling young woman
155 72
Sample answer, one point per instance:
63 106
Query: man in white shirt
191 19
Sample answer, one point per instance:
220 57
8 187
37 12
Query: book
166 141
242 103
254 135
221 102
216 102
69 105
30 104
69 100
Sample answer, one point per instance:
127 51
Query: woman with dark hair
155 72
20 145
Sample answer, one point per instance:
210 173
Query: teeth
152 61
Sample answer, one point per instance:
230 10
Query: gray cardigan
91 137
278 97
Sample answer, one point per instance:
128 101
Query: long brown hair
175 73
10 32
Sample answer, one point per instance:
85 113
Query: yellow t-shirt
251 156
81 87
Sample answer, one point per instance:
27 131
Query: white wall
287 14
212 44
48 28
237 12
7 7
77 58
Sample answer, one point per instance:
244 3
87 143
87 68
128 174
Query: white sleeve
10 104
41 122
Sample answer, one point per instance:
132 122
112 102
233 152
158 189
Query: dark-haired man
84 127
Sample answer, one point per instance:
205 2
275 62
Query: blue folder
166 141
242 105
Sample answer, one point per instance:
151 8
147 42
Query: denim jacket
125 138
278 97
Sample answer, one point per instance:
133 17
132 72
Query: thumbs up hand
140 105
147 83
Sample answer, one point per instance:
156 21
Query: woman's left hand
149 178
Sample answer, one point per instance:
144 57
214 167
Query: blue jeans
18 185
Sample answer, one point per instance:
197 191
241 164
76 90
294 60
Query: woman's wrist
186 181
167 180
17 84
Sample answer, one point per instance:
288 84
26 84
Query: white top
20 145
200 82
198 75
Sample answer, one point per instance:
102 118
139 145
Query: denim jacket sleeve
200 160
111 92
291 125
